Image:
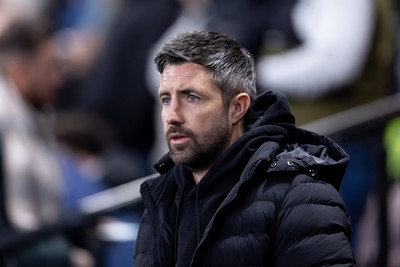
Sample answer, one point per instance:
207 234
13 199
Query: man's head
207 81
231 66
27 59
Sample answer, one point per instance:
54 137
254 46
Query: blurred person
88 141
113 87
110 86
246 187
33 177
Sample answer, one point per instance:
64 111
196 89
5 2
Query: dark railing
89 208
353 122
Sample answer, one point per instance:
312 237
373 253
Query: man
29 78
33 179
241 185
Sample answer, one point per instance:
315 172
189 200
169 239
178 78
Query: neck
198 175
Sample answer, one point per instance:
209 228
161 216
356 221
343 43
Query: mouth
178 139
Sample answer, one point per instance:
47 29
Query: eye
165 100
193 98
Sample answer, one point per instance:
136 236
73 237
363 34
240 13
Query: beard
202 151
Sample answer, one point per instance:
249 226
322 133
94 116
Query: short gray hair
231 65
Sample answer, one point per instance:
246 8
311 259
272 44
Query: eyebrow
182 91
162 93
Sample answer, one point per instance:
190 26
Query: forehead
185 71
187 77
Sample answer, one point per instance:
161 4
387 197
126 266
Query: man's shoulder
156 180
159 186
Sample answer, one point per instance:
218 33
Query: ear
238 107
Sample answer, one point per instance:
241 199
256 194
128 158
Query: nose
173 113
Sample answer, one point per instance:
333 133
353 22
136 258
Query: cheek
165 127
203 123
163 121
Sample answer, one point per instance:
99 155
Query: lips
177 138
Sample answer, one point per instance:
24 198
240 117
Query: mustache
173 129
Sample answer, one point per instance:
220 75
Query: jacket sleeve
313 227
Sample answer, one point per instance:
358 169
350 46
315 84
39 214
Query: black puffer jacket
270 200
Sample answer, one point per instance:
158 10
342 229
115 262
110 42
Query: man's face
196 124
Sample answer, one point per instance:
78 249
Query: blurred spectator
25 58
33 178
82 138
114 88
106 54
324 30
89 143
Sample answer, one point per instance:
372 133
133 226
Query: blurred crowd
79 111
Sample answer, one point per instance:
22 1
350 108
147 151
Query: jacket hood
304 151
314 154
272 137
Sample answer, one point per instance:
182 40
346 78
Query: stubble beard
201 152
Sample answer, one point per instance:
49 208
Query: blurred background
80 126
